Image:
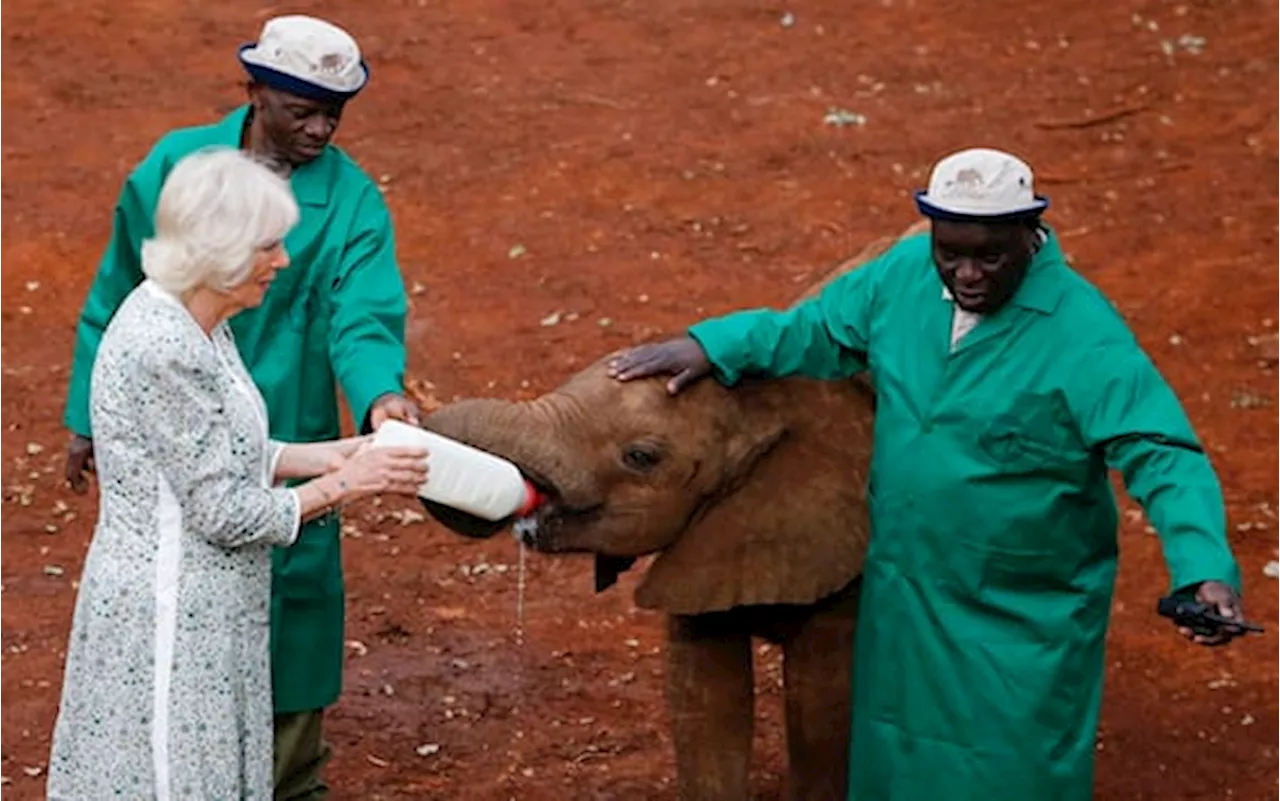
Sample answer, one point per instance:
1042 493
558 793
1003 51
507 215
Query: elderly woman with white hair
167 691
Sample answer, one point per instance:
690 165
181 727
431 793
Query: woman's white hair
217 209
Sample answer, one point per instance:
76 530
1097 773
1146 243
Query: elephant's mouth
544 529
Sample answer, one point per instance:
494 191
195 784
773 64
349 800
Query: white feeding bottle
462 477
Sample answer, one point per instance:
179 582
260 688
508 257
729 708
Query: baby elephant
752 499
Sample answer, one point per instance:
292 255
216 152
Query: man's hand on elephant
682 358
393 406
1221 599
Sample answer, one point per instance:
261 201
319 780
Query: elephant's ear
793 525
790 525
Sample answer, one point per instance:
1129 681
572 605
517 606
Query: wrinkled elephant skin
751 500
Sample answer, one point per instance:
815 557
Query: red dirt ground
656 162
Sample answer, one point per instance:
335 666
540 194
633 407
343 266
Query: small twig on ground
1110 177
586 98
1089 122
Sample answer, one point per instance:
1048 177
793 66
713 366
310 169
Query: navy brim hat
294 85
981 184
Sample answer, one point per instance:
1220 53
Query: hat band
933 212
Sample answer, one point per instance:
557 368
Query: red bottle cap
532 500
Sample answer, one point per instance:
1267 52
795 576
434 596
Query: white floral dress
167 689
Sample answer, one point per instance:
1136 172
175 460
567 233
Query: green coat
335 316
989 577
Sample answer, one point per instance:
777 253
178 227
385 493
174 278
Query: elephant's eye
640 459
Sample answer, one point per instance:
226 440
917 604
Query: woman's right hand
371 470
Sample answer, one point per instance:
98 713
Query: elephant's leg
817 669
710 698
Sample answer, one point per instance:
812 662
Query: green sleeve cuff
364 390
1220 569
719 340
76 418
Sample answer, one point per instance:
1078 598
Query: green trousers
300 753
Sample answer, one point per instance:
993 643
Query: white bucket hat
980 184
307 57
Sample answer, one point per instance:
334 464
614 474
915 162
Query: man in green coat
334 317
1006 386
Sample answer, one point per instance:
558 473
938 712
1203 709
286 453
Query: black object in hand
1200 618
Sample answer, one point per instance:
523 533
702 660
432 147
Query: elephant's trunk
535 435
481 423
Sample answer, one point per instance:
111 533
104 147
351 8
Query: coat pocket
1033 434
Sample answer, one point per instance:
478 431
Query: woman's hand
312 459
343 449
370 470
360 470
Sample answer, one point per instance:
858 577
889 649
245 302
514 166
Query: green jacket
335 316
989 578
